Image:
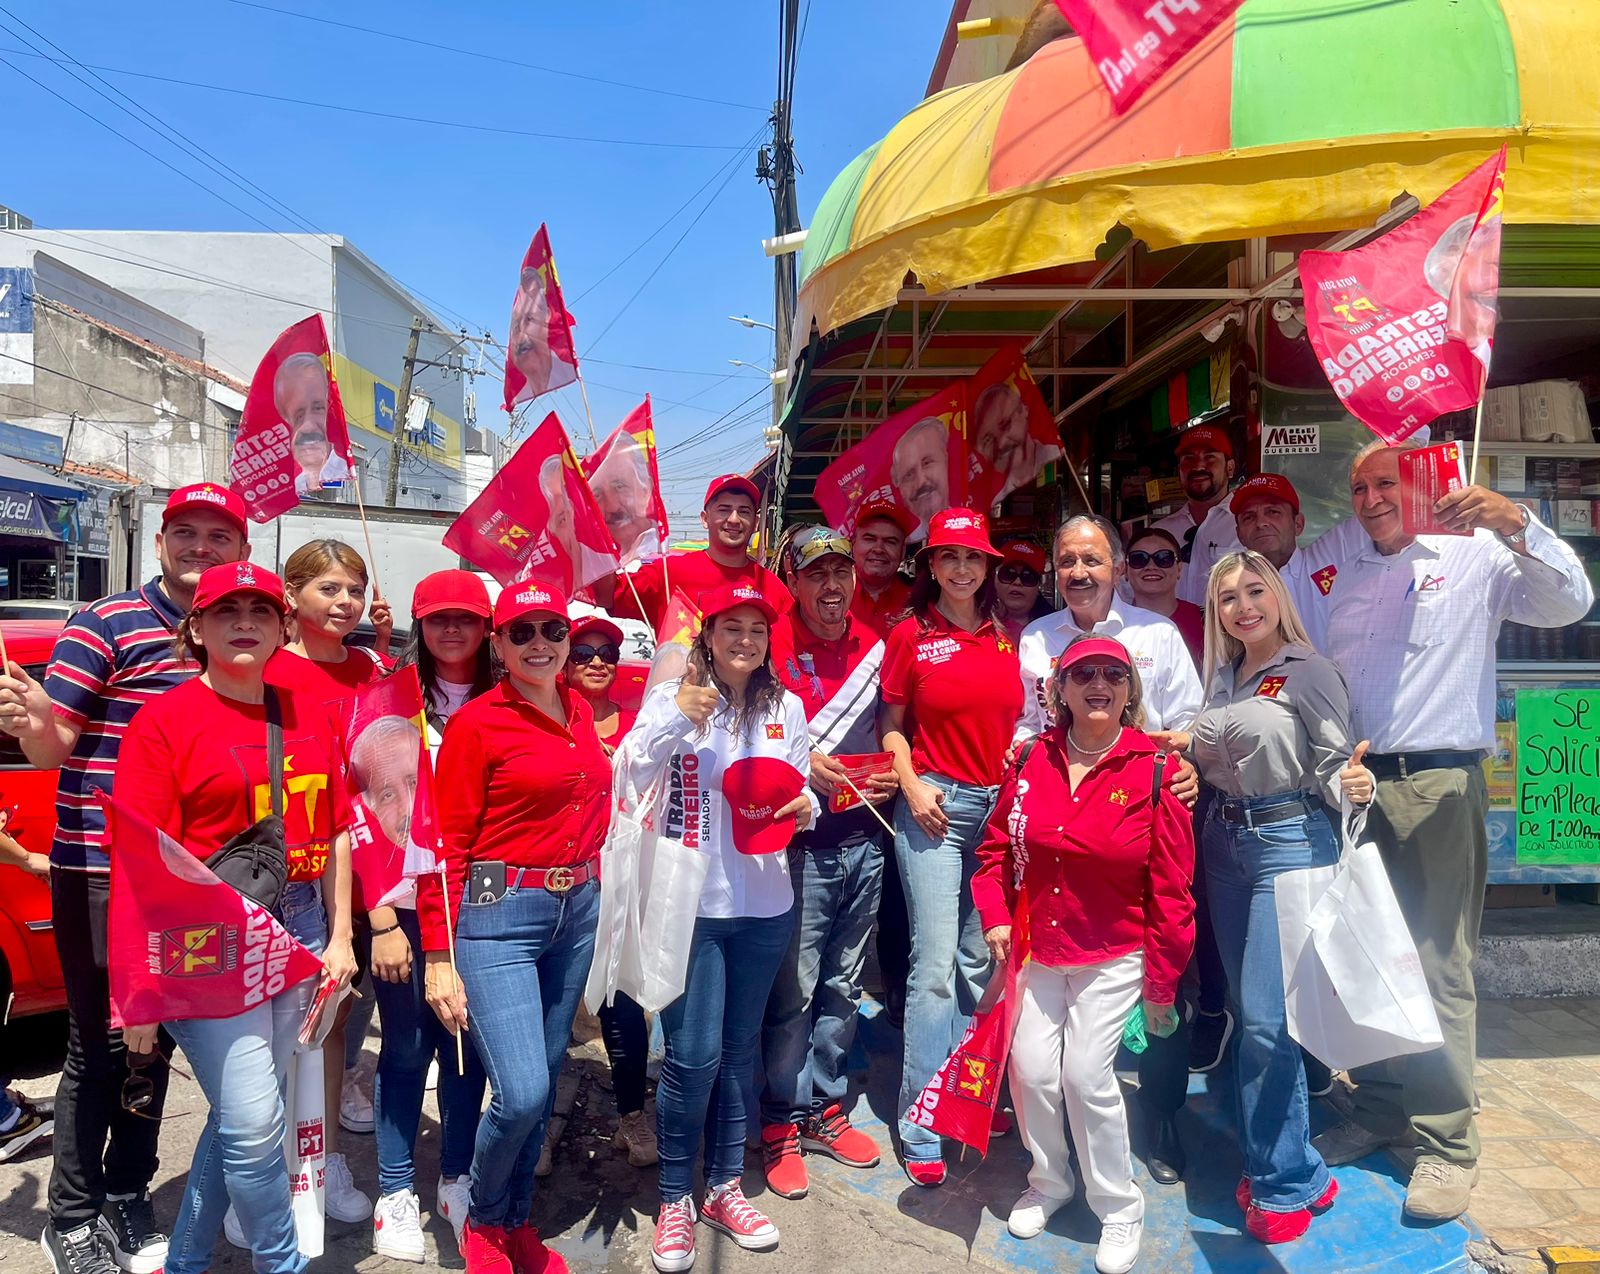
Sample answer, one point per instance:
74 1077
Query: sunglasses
1017 575
582 654
1166 559
1085 674
139 1089
522 631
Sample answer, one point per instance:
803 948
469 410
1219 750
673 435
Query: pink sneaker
727 1209
673 1249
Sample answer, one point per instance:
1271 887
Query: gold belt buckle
558 880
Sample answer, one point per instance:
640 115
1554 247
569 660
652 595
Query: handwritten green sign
1558 777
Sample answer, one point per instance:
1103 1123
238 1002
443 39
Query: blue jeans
1241 863
811 1015
949 961
412 1035
711 1032
523 960
242 1065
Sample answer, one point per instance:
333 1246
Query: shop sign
94 523
33 445
1558 777
16 326
1291 440
34 517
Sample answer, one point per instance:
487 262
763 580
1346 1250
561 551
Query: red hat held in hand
756 788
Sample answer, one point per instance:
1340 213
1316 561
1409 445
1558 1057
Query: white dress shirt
1414 633
1166 670
1214 539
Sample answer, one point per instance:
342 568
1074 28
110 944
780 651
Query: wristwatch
1515 539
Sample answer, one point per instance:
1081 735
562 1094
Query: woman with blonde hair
1274 740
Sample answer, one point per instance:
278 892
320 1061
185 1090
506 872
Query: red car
27 945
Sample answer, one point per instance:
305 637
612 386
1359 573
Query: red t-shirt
963 694
879 614
195 764
1191 622
324 683
693 574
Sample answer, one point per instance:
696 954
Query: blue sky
449 210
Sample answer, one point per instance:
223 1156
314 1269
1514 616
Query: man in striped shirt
112 658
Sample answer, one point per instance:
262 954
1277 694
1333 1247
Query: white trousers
1069 1025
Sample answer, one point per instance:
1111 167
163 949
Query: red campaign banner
1426 475
395 836
292 437
181 943
626 484
1404 326
1010 430
536 519
1133 43
680 625
539 353
918 458
959 1101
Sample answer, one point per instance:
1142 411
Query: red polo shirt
1106 872
879 613
517 787
693 574
812 666
962 692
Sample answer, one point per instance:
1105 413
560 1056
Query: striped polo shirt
111 659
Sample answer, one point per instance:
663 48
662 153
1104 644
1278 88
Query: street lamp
744 320
777 375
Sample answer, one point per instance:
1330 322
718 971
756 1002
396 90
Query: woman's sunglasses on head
1166 559
584 652
1086 674
1013 574
522 631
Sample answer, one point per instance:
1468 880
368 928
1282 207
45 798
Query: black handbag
256 861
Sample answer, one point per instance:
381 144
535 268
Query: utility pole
401 403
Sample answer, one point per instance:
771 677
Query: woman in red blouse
197 758
1103 852
592 671
948 713
524 790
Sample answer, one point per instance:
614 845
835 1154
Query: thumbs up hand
1355 780
696 699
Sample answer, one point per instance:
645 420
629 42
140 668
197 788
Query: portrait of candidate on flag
623 476
1010 430
540 355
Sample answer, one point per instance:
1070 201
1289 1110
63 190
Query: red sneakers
1284 1227
925 1172
1241 1193
727 1209
830 1133
529 1255
487 1249
673 1249
780 1155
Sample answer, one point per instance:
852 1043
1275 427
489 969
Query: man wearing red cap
877 548
1205 523
730 518
112 657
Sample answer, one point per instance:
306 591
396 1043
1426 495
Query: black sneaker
129 1226
80 1251
32 1124
1208 1040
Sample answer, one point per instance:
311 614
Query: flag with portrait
626 484
540 355
1011 433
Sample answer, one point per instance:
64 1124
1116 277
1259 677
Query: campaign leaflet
859 766
1426 474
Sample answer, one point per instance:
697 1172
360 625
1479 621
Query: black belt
1236 811
1399 765
555 880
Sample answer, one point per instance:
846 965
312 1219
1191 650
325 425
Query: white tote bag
304 1149
671 877
1354 989
616 936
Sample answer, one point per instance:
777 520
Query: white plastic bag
305 1149
617 931
1354 989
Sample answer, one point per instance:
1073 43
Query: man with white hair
920 471
301 395
384 761
622 488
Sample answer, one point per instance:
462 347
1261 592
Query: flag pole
1477 428
450 946
366 531
873 808
588 415
5 657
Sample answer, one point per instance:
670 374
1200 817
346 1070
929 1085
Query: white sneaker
397 1227
1119 1246
432 1082
340 1199
451 1201
1031 1212
356 1111
233 1231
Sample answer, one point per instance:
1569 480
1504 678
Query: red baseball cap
891 511
450 590
756 787
1093 648
1265 486
533 597
731 482
1207 436
960 528
731 595
217 582
1024 551
207 497
597 624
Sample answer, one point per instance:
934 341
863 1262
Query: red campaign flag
626 484
959 1102
182 944
539 354
1404 326
1133 43
680 625
395 837
1011 432
292 438
537 519
918 458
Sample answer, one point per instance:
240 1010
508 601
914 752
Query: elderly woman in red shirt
524 797
1102 852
